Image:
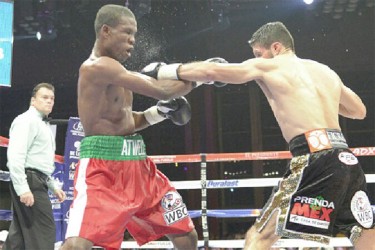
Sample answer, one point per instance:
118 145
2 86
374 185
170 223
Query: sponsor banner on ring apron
74 135
56 204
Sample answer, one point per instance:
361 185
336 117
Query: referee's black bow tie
46 118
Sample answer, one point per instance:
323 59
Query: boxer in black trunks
324 190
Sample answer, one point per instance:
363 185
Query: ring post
204 200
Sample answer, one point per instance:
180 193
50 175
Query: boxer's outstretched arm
234 73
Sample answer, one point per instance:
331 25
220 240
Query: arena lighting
46 35
308 1
38 35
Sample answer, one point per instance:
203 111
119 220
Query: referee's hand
60 195
27 198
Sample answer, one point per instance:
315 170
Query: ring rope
245 156
5 141
216 157
281 243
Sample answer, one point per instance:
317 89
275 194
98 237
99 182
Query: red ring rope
246 156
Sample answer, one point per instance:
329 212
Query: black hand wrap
178 110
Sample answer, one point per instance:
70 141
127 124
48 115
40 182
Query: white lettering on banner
160 244
226 183
74 154
71 175
262 155
77 129
77 126
56 206
364 151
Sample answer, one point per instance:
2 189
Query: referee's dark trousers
32 228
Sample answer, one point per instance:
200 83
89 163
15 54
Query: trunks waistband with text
113 147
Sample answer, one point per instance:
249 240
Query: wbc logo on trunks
175 208
361 209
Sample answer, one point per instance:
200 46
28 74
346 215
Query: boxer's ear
276 48
105 30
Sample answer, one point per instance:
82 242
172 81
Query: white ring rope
238 183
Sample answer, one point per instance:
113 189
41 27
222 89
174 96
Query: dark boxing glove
162 71
216 84
178 110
